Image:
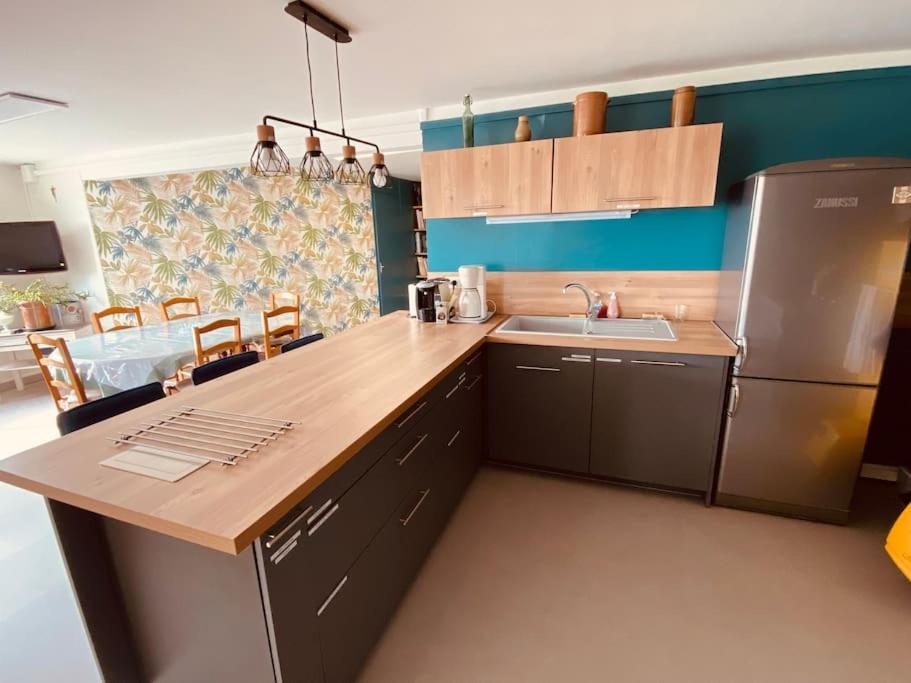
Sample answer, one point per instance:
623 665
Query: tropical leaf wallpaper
231 238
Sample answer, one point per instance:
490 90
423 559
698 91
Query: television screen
30 247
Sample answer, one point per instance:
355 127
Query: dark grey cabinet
539 405
656 418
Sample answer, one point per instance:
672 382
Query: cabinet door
656 418
495 180
539 405
643 169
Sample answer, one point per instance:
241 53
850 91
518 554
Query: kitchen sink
619 328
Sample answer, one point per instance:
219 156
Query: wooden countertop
344 390
695 337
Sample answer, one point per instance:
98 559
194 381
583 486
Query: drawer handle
535 367
485 206
272 539
474 382
331 597
473 358
285 547
675 364
322 521
456 387
407 518
401 423
321 510
401 461
454 437
627 199
609 360
281 555
734 401
577 359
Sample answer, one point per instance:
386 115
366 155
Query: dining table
110 362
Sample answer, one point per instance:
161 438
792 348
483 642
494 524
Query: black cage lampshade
378 173
350 171
268 159
315 166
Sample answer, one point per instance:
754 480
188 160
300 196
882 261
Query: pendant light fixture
268 159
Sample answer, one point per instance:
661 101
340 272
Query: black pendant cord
310 73
338 78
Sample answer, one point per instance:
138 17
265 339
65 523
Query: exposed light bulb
379 178
267 156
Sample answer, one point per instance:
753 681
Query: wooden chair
75 390
277 299
204 352
166 305
112 312
274 337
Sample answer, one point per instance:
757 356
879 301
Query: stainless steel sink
620 328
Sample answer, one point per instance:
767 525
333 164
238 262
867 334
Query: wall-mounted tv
30 247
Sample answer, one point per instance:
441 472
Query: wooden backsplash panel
639 291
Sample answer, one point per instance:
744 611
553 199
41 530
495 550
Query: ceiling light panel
15 106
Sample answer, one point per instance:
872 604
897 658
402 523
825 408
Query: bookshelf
419 228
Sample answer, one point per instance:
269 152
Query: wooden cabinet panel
495 180
643 169
539 405
656 418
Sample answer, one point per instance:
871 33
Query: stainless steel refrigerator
813 260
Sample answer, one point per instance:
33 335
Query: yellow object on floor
898 543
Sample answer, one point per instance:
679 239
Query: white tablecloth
111 362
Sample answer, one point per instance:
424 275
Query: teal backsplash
856 113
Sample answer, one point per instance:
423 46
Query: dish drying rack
205 434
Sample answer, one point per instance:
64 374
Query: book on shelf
419 217
422 266
420 243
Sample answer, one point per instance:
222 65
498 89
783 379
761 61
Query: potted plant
8 303
33 301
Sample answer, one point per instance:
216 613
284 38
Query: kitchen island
287 565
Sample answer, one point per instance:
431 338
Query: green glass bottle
467 123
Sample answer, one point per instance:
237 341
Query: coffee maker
473 304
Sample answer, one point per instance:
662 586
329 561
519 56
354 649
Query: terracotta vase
523 130
683 106
589 109
35 316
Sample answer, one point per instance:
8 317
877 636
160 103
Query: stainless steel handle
742 351
577 359
456 387
285 549
332 596
535 367
473 358
473 383
401 423
275 538
454 437
669 363
627 199
485 206
407 518
401 461
609 360
735 400
312 530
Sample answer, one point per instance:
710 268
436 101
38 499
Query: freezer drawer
794 447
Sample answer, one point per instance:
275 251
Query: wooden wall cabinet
643 169
494 180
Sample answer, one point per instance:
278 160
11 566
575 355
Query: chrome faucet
592 303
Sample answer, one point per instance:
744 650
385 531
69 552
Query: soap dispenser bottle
613 306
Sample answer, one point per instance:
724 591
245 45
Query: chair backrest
277 299
113 311
223 366
167 314
109 406
303 341
71 384
203 352
272 336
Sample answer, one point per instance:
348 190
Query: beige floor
546 579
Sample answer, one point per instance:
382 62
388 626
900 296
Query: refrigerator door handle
734 401
741 356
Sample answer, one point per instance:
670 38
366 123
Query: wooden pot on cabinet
589 110
683 106
523 130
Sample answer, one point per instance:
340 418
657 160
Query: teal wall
856 113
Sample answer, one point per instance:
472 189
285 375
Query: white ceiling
154 73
